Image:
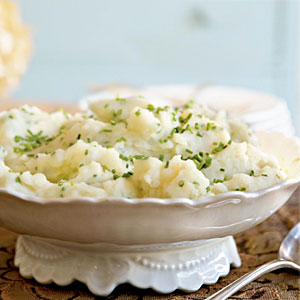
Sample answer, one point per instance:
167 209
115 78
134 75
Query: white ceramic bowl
152 221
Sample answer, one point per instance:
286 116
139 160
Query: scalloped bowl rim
148 200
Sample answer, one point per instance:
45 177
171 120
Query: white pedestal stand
164 268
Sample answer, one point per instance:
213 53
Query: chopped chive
181 183
89 140
277 176
113 123
106 105
123 157
198 134
10 116
217 180
78 136
167 164
71 183
265 175
140 157
174 116
81 165
207 189
106 130
95 175
86 152
138 112
120 99
185 120
127 175
243 189
251 173
118 113
161 157
229 142
163 141
222 169
115 177
188 128
17 138
150 107
189 151
215 143
18 179
219 148
60 183
195 182
121 139
210 126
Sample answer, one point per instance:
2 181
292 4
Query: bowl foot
162 267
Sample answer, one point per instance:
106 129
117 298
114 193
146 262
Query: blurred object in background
15 47
261 111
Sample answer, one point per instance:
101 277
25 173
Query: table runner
256 246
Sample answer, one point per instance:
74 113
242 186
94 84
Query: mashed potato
129 148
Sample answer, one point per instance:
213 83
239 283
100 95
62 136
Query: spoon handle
230 289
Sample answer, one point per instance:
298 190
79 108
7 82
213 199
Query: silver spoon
288 257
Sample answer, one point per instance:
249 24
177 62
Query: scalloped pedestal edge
102 267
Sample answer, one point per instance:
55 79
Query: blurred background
80 44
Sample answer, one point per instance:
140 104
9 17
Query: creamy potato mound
130 148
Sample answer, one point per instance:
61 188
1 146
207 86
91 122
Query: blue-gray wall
78 43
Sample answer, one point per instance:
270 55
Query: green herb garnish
120 99
219 148
151 107
127 175
121 139
29 142
123 157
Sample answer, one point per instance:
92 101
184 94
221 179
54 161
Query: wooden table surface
256 246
